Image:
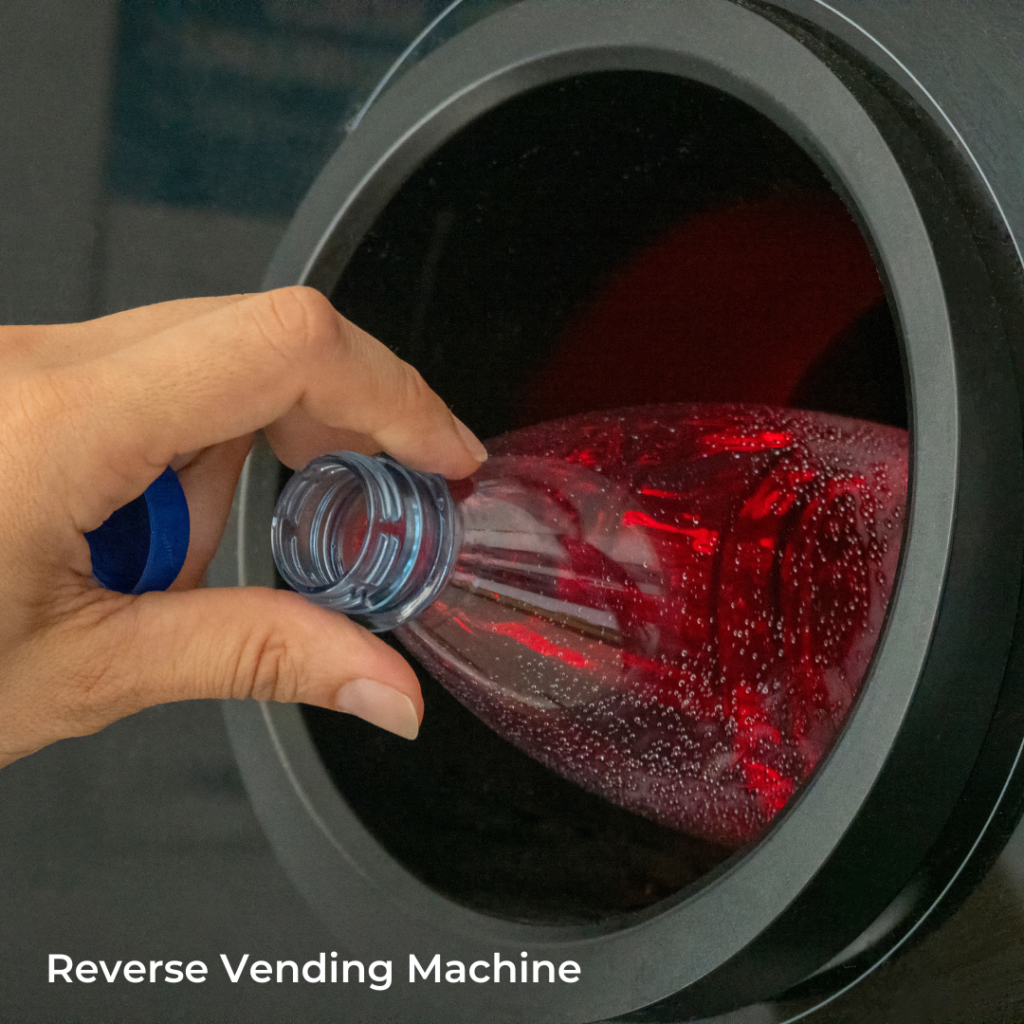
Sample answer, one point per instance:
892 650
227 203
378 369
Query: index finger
241 367
49 346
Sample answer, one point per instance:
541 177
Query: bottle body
672 606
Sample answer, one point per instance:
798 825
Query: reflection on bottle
672 606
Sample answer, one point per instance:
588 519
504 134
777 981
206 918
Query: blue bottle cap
143 545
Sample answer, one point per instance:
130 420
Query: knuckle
267 669
295 322
414 392
411 403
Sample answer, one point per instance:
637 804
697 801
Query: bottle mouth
366 537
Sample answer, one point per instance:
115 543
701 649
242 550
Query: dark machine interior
615 239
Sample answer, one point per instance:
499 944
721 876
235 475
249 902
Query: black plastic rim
844 850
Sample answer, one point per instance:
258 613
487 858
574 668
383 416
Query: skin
91 413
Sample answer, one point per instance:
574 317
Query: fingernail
379 705
470 440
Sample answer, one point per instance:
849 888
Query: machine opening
611 240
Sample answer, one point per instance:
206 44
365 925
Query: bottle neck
366 537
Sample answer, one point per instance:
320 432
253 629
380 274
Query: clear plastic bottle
672 606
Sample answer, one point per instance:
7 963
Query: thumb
242 643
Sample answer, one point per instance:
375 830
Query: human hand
91 414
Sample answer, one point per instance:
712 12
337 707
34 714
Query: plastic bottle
672 606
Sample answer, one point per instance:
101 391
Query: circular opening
614 239
330 533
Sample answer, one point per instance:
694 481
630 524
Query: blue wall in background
235 105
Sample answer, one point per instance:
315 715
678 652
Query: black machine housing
474 207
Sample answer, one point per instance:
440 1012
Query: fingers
54 345
240 367
118 655
209 481
297 438
94 412
96 338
